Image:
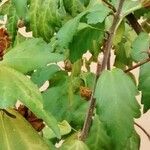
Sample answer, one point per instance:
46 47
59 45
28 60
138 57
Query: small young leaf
17 133
30 55
140 46
144 85
117 105
15 86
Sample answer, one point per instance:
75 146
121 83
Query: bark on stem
106 49
131 18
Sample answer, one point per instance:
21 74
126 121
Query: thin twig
137 65
131 18
147 134
88 119
106 49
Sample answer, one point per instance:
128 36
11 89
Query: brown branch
108 44
147 134
106 49
131 18
137 65
88 119
134 23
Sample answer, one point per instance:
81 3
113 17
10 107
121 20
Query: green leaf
66 33
117 105
76 68
88 38
54 102
85 2
44 17
144 85
17 133
12 18
69 106
119 33
68 103
5 7
21 7
140 46
74 145
19 39
64 127
133 142
88 79
98 138
129 7
74 7
97 14
122 52
43 74
15 86
30 55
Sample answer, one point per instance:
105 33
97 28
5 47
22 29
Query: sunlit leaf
15 86
30 55
17 133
